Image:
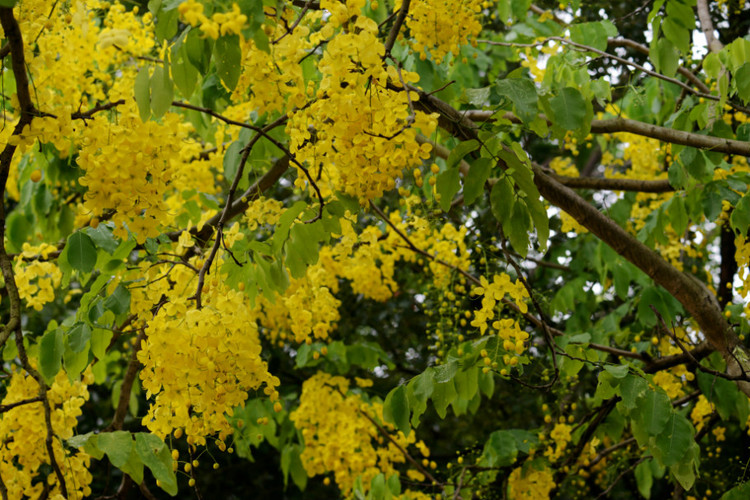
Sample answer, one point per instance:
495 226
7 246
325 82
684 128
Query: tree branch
664 134
393 34
707 26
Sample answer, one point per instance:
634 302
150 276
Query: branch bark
664 134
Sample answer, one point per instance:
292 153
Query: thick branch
707 26
664 134
638 185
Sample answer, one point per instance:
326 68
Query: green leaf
644 479
674 441
396 409
292 464
19 229
157 457
443 394
232 158
445 372
166 23
81 252
593 34
618 371
740 217
461 150
502 199
517 228
631 389
652 412
198 50
474 182
228 58
447 186
142 91
500 449
119 301
100 339
78 337
478 97
50 353
676 34
665 56
419 391
740 492
696 165
185 75
568 109
117 445
742 81
522 93
162 92
677 214
8 3
467 383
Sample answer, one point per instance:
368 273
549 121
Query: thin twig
10 406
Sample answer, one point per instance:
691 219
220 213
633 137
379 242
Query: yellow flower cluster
23 452
701 412
442 26
262 211
220 24
308 309
128 168
508 329
561 436
200 364
530 484
358 135
272 80
36 280
339 438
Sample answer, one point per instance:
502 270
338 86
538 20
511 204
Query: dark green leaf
476 179
50 353
162 92
522 93
500 450
447 186
157 457
593 34
396 409
78 337
674 441
461 150
119 301
142 90
568 109
502 199
228 60
652 412
81 252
